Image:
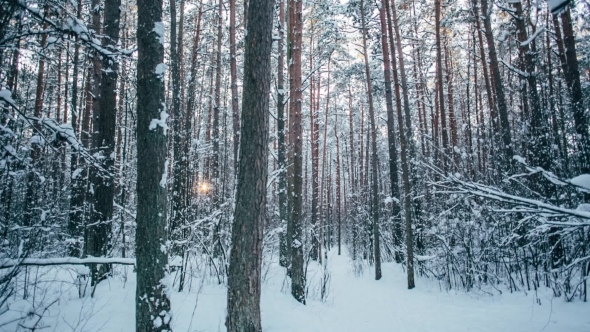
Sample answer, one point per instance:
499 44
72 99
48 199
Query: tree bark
177 206
393 176
283 213
315 150
506 137
405 145
103 141
572 77
295 242
243 301
234 79
374 180
152 304
439 77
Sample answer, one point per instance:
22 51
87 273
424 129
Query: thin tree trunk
283 213
315 149
572 77
375 185
439 77
296 154
177 206
31 195
497 80
216 109
393 176
338 198
234 78
405 144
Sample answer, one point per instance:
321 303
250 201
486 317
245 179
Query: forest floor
355 302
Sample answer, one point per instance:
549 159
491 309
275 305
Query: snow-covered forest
294 165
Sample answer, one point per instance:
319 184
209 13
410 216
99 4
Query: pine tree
244 279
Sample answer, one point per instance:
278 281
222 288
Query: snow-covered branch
7 263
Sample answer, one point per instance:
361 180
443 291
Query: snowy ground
354 303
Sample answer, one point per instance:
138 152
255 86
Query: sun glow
204 187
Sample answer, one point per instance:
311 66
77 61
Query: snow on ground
354 303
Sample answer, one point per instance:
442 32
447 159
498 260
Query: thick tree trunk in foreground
152 311
243 300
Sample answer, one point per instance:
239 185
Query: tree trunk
282 166
177 206
295 241
216 183
103 141
315 150
572 77
152 311
497 80
234 79
539 143
375 185
393 176
243 301
31 195
405 145
75 214
439 77
338 198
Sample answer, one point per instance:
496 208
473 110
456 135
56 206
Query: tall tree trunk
234 78
393 176
374 180
192 85
296 153
75 214
31 195
177 206
338 181
497 80
103 141
405 145
152 311
315 150
539 143
324 160
452 117
59 94
439 77
216 109
572 78
244 279
282 166
398 103
491 104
